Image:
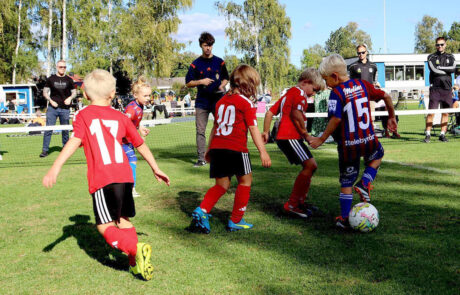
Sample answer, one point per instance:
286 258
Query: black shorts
113 201
226 163
295 150
439 96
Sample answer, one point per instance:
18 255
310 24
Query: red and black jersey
101 130
294 99
234 114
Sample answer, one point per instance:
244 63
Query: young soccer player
228 152
291 135
100 129
350 123
135 110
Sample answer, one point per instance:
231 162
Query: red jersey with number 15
234 114
101 130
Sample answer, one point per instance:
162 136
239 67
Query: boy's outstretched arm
71 146
315 142
299 123
392 124
258 141
145 152
267 122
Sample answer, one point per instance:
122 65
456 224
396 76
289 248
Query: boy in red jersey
291 135
228 152
100 129
350 123
134 111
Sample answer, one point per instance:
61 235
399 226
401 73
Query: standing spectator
187 100
209 74
421 101
59 91
441 65
457 80
363 68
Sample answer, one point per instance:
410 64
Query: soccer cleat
199 163
200 221
443 138
427 138
310 207
143 267
43 154
342 223
238 226
395 135
363 191
135 193
297 211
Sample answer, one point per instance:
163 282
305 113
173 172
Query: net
174 137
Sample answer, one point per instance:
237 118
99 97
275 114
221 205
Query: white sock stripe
97 196
109 218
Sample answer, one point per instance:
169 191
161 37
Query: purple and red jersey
349 101
134 112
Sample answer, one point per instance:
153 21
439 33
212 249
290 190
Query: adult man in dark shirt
209 74
441 65
362 68
59 91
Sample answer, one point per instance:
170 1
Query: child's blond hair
333 63
245 80
140 83
99 84
312 75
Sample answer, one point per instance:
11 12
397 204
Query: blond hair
244 80
312 75
140 83
333 63
99 84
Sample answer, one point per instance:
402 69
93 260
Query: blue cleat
237 226
200 221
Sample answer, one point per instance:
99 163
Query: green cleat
143 267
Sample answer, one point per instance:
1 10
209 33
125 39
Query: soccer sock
133 168
240 203
120 240
442 133
131 233
300 189
212 196
345 204
368 175
427 132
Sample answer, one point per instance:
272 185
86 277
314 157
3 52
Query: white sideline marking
415 166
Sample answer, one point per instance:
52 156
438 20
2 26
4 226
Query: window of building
404 73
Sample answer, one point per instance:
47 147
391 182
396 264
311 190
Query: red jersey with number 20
234 114
294 99
101 130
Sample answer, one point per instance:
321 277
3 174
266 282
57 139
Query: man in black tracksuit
441 66
362 68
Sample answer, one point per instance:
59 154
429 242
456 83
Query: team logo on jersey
217 76
350 170
128 115
437 61
447 60
332 105
115 244
359 70
370 70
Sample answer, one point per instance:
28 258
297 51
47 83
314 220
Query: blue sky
313 21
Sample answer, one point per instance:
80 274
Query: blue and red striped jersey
349 101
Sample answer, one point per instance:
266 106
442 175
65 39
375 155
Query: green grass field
49 243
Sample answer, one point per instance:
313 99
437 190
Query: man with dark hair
441 65
209 74
59 91
362 68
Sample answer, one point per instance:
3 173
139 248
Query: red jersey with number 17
234 114
101 130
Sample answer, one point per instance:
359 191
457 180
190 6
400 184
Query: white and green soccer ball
364 217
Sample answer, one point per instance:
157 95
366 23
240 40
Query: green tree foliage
260 29
181 64
453 44
231 62
426 32
313 56
345 39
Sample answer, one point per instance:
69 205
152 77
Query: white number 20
96 128
225 121
364 123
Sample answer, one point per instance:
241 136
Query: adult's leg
64 116
51 115
201 120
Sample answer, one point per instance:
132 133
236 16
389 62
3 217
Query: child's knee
309 167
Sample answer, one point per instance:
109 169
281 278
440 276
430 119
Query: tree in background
231 61
453 37
260 30
313 56
426 32
182 62
345 39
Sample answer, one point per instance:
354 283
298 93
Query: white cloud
307 25
194 24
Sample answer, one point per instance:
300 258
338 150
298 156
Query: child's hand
49 179
144 131
392 124
207 158
266 161
265 137
161 176
315 142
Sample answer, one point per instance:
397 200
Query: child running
100 129
135 110
291 135
228 152
350 123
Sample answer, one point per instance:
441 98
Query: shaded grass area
49 244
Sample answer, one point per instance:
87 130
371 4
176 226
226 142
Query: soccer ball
364 217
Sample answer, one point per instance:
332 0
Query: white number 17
96 128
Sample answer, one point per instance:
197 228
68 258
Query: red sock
212 196
241 201
300 190
132 235
120 240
